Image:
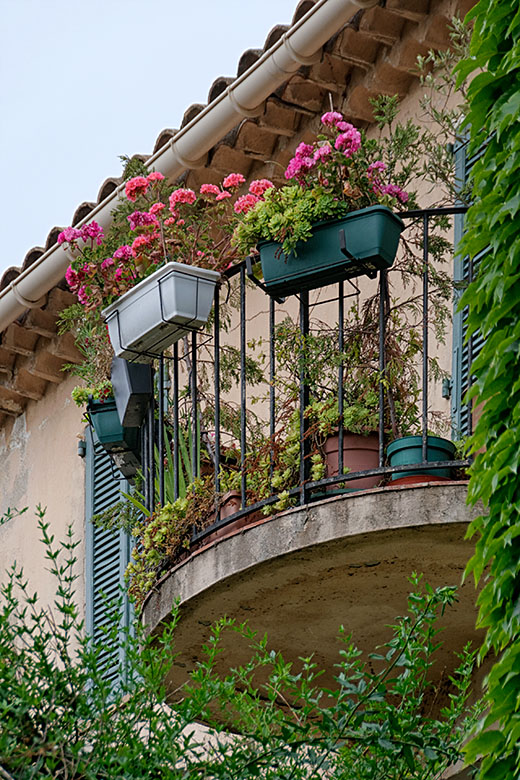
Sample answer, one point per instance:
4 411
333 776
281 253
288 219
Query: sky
82 83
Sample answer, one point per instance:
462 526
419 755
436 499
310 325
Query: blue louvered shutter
107 555
463 352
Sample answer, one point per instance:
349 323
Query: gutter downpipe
300 45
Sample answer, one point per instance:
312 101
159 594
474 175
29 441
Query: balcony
304 544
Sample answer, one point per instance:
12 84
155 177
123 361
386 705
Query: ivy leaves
493 231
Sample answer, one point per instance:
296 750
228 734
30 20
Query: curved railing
180 383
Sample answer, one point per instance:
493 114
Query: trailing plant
492 241
62 719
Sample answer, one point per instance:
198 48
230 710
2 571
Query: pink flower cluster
348 141
141 219
92 232
256 192
139 184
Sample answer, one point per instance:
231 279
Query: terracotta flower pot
360 453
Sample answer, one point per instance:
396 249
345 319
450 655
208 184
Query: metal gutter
244 97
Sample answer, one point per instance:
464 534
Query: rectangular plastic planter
370 236
111 434
158 311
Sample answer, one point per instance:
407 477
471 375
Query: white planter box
160 310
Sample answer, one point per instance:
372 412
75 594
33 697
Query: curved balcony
301 574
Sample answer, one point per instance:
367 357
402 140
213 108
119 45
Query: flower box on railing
160 310
362 242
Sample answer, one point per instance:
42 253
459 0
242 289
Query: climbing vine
493 239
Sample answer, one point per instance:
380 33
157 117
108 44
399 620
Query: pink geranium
331 118
92 231
245 203
135 187
107 262
139 244
141 219
181 196
123 252
259 186
155 176
395 192
209 189
223 195
349 141
157 208
68 235
322 152
233 180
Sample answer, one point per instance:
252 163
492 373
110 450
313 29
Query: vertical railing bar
160 433
470 358
382 365
144 460
272 376
194 409
304 395
425 341
216 353
176 464
151 453
341 322
243 385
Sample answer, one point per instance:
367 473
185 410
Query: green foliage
493 233
59 717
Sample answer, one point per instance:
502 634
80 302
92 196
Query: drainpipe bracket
248 112
302 59
191 164
28 304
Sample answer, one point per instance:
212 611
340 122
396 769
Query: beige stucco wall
40 465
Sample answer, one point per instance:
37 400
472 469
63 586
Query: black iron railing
178 397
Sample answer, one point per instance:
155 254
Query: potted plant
335 219
407 450
153 276
132 386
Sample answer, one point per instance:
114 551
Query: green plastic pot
111 434
408 450
371 236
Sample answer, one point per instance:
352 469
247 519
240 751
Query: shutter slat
461 348
107 557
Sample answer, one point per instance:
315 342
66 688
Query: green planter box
408 450
111 434
371 237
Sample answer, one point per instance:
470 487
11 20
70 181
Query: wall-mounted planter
132 384
408 451
113 437
161 309
363 242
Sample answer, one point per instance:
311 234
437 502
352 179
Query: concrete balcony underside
301 574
